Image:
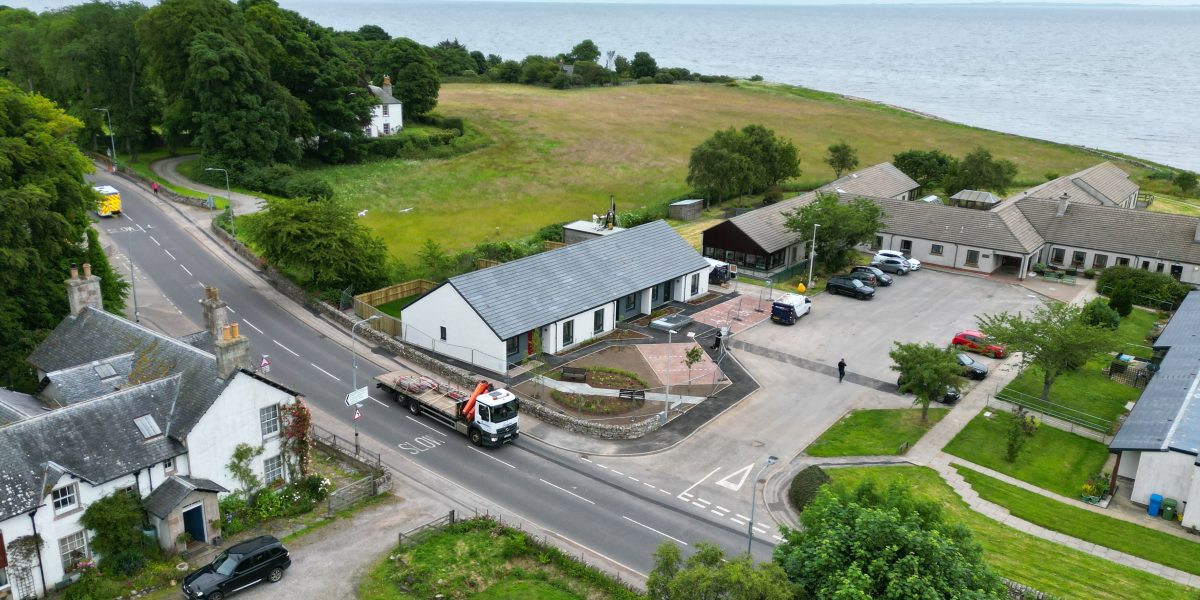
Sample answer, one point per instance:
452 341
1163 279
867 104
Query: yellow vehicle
110 203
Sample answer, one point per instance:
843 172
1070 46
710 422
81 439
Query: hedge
805 485
1145 285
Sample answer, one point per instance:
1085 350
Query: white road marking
585 459
143 229
685 496
247 321
738 521
567 491
324 371
778 538
185 269
764 526
617 472
742 517
727 481
718 513
289 350
494 458
760 530
705 502
378 402
710 474
651 486
721 508
155 241
634 478
425 426
169 254
655 530
601 466
699 505
231 309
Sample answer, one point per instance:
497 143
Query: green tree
321 241
842 157
591 73
979 171
925 371
843 226
1121 300
643 65
113 287
585 51
926 167
867 544
1186 181
434 260
708 574
1098 313
1053 337
415 76
718 169
116 523
621 65
776 158
451 58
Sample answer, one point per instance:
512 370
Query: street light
667 397
354 369
812 253
753 501
228 197
111 140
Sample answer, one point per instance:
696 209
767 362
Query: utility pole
112 141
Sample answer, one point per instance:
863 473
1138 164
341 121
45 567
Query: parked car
850 287
240 566
891 264
865 277
883 278
913 264
971 367
951 396
975 341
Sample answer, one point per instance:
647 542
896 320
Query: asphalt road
611 513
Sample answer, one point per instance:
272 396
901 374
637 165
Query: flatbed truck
488 417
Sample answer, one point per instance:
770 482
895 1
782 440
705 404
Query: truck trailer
488 417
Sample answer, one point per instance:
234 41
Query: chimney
232 350
1063 201
83 291
1196 237
216 312
387 84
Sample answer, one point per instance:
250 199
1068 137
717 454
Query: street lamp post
667 397
228 197
812 253
112 141
753 501
354 368
133 284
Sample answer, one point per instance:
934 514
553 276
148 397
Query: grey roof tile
382 95
513 298
1114 229
976 196
1104 184
767 226
1002 228
883 180
15 406
89 380
167 496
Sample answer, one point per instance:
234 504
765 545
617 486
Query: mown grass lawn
394 307
557 155
874 432
1130 538
1131 335
1051 459
1047 566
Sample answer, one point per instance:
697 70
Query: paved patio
739 313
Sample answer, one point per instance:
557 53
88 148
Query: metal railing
1069 416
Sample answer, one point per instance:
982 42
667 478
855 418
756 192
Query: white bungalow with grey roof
387 115
1159 443
490 318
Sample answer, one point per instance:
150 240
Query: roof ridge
91 364
174 341
89 402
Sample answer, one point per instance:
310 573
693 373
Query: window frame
263 421
568 333
1099 261
267 469
936 249
169 465
63 553
1078 259
387 128
1058 256
971 262
695 287
73 488
598 320
1122 261
384 108
443 333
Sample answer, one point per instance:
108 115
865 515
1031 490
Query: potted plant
1089 273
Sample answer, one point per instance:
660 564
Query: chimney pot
74 271
87 270
225 332
233 330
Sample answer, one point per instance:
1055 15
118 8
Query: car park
865 277
976 341
240 566
971 367
849 287
891 264
883 278
913 264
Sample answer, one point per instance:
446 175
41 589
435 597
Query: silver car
913 264
891 264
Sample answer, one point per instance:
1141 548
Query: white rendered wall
394 119
1191 518
468 338
234 419
1129 464
1165 473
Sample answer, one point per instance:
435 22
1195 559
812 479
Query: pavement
168 170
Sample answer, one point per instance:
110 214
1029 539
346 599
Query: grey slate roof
521 295
1104 184
767 226
976 196
166 497
1002 228
883 180
87 381
1114 229
382 95
1167 416
15 406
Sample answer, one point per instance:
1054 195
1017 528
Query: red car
976 341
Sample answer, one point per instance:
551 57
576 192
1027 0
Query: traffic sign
357 414
357 396
266 365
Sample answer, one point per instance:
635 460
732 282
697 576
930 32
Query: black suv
883 278
849 287
253 561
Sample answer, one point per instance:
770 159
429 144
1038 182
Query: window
65 498
1099 261
385 109
268 417
936 250
3 577
1122 262
169 466
1159 269
1077 258
147 426
273 469
367 131
972 258
1057 255
696 283
443 333
906 246
598 321
73 550
878 242
511 345
387 128
1145 265
568 330
631 301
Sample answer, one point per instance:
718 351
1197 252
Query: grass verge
1051 459
1130 538
874 432
1047 566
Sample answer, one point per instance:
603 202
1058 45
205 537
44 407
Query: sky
41 5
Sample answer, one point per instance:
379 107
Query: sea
1120 78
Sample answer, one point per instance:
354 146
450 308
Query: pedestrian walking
154 186
841 370
717 341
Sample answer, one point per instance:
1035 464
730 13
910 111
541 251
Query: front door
193 523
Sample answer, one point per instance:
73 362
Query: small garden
875 432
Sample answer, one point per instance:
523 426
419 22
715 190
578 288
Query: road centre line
664 491
324 371
738 521
601 466
719 507
742 517
169 254
710 474
567 491
633 478
760 530
293 352
617 472
670 537
763 526
155 242
702 500
702 507
585 459
231 309
717 512
425 426
185 269
495 459
649 485
247 321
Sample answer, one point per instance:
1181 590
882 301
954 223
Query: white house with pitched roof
387 115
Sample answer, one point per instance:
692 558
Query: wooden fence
365 303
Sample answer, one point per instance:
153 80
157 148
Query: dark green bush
805 485
756 78
93 586
645 80
1122 300
1146 286
663 77
1099 314
455 123
287 181
642 215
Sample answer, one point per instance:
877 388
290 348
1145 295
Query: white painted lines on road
717 512
700 506
292 351
664 491
378 402
743 517
738 521
670 537
230 308
710 474
585 459
247 321
633 478
601 466
777 538
703 501
155 241
142 229
759 529
185 269
323 370
169 254
425 426
567 491
616 472
649 485
721 508
494 458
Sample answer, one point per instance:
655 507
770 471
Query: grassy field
558 155
1047 566
874 432
1052 459
1130 538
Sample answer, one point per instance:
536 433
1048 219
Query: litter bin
1168 508
1155 503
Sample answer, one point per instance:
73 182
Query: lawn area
1051 459
874 432
1131 335
1044 565
557 155
394 307
480 559
1150 544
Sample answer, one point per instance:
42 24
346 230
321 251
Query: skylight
105 370
147 426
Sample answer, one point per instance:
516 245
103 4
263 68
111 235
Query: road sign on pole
356 397
357 414
265 367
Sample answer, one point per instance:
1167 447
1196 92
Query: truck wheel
476 437
413 407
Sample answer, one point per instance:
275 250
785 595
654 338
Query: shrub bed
595 405
805 485
1144 285
242 511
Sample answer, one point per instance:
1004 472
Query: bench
574 374
632 394
1059 277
